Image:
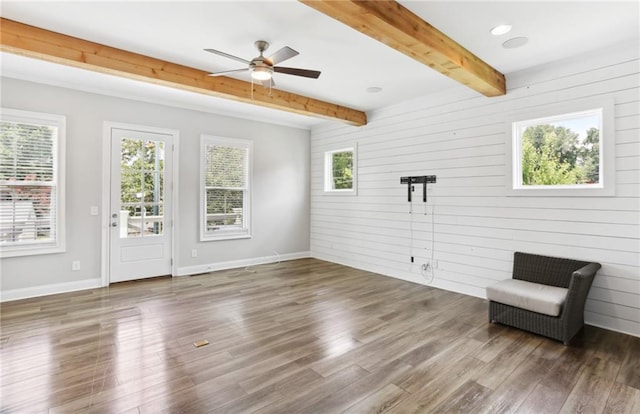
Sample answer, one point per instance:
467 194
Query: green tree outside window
556 155
342 170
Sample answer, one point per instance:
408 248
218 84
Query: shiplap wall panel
460 137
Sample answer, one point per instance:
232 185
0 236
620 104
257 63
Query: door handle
114 224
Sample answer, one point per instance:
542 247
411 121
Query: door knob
114 224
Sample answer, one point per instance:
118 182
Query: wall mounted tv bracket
418 179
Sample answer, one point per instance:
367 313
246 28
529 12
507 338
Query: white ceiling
178 31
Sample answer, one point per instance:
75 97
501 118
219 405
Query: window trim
59 151
227 234
606 187
328 171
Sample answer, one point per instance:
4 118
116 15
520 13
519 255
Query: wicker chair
574 275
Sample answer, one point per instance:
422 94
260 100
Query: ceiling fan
262 68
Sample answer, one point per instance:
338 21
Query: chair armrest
587 270
579 286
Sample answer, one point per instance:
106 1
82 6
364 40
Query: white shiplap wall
460 137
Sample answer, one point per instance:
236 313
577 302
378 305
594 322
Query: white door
140 221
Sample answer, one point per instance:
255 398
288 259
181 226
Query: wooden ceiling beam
396 26
34 42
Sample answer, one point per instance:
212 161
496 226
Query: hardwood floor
304 336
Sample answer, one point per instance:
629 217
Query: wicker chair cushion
534 297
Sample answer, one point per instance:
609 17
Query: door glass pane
141 188
153 220
133 223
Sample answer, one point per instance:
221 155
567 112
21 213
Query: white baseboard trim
234 264
614 329
52 289
44 290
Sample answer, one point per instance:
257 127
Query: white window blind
225 193
30 183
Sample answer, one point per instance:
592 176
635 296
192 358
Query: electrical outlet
75 265
194 252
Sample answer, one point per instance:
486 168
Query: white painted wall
280 215
460 137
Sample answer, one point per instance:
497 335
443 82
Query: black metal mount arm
418 179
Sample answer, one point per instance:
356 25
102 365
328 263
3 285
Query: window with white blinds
31 183
225 195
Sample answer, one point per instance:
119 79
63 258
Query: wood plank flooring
303 336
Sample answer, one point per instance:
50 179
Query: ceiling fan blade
298 72
217 52
228 71
282 55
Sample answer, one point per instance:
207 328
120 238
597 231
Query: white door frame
106 191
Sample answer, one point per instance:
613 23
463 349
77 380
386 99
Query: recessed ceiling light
515 42
374 89
501 29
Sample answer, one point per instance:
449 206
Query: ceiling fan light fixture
261 68
261 73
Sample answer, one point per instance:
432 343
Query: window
340 171
568 151
226 174
31 183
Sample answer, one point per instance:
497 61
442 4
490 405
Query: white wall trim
53 289
610 327
44 290
105 198
410 275
233 264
